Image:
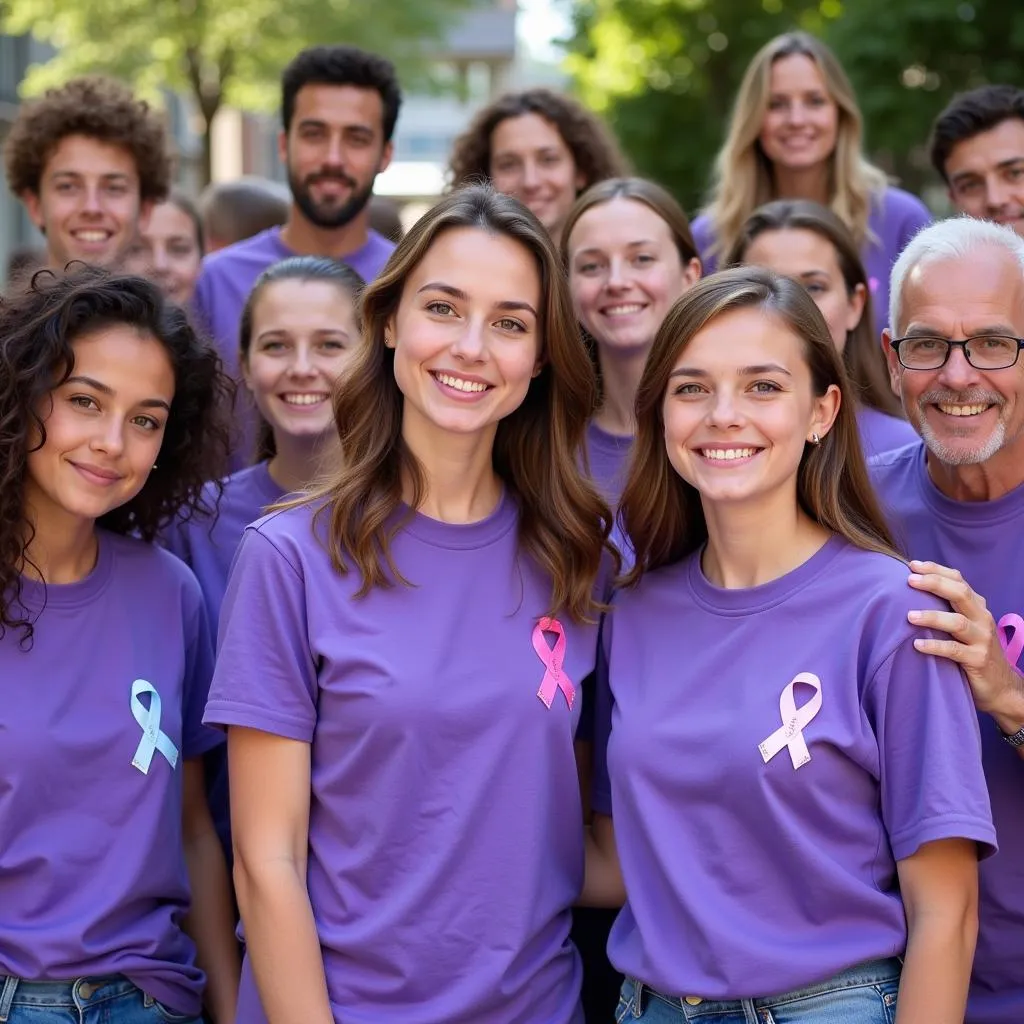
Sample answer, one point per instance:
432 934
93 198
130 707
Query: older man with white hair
956 504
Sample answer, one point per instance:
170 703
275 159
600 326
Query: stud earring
815 439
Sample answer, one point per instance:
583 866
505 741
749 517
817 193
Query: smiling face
467 336
625 272
530 160
333 151
169 253
802 120
812 260
986 174
304 335
966 416
104 426
88 203
739 410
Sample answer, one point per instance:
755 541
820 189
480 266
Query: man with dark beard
339 106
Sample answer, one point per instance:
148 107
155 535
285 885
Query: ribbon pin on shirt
1013 646
554 660
149 721
794 721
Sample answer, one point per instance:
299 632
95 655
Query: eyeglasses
984 352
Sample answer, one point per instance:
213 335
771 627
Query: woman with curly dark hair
110 421
541 147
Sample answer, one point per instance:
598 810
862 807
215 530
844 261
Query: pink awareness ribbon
554 660
1013 647
794 721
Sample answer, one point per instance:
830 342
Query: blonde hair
743 176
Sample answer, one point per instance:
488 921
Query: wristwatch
1014 739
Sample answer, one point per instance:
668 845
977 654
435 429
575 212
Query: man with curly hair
89 161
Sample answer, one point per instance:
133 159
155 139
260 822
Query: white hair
952 239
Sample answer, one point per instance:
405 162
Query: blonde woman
796 133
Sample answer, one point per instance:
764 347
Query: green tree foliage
219 51
665 72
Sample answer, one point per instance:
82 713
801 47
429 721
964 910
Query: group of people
564 614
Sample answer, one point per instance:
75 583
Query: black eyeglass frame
950 345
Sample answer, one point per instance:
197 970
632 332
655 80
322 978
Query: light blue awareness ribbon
149 721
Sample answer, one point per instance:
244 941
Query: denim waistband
76 992
873 972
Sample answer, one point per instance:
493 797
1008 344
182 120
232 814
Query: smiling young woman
110 405
751 519
796 133
402 650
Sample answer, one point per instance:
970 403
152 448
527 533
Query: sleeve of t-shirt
202 305
265 676
197 738
929 744
704 239
914 215
601 787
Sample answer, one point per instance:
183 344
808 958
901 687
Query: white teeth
305 399
727 454
459 384
962 410
623 310
91 236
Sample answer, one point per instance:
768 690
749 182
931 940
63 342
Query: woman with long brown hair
402 652
797 796
809 243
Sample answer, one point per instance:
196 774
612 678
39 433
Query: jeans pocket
625 1002
165 1013
889 991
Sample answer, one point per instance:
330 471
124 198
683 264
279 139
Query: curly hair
100 108
38 328
341 65
594 150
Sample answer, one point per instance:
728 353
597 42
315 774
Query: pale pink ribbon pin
554 660
1013 646
794 721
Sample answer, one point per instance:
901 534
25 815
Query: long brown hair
862 353
661 512
563 524
744 176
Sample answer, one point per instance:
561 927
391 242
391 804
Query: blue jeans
111 999
865 994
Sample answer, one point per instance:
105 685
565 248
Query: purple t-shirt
748 877
608 455
880 432
445 836
983 540
224 284
208 546
895 218
92 873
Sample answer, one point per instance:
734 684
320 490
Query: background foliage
664 72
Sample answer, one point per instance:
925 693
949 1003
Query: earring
154 465
387 340
815 439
